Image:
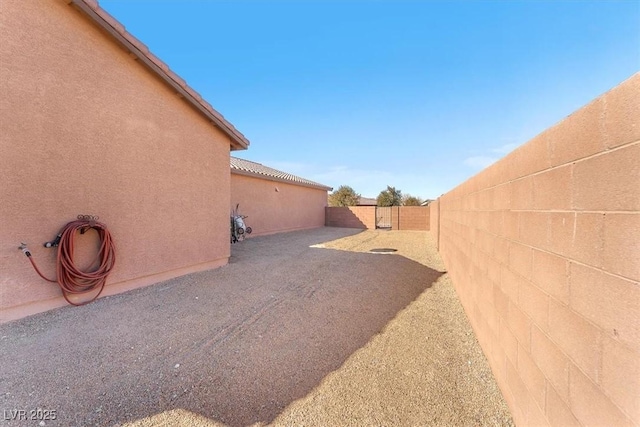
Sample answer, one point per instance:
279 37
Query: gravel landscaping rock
301 328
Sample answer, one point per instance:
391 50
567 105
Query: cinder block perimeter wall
351 217
411 218
402 217
543 249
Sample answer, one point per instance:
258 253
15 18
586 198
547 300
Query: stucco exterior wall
275 207
544 251
85 129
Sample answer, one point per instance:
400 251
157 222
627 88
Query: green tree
409 200
390 197
344 196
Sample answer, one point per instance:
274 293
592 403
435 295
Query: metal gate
383 217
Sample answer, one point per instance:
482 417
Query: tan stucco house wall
93 123
275 201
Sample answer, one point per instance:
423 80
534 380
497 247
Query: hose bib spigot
55 242
24 249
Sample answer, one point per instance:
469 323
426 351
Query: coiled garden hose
70 278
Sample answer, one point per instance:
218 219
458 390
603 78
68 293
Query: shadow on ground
236 344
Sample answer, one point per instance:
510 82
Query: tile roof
246 167
104 20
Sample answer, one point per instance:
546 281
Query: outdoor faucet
25 250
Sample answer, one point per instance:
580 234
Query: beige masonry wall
410 218
351 217
544 250
86 129
434 221
274 206
402 217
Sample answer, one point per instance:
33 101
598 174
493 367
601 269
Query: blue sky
419 95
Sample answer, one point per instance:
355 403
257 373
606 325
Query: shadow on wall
236 345
351 216
372 217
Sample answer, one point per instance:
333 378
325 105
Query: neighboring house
276 201
91 122
426 202
366 201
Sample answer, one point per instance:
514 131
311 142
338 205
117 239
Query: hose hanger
69 277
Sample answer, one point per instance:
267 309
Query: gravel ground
302 328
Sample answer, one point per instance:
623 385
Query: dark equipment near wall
239 229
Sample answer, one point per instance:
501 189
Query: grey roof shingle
246 167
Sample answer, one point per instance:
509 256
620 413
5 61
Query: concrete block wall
411 218
351 217
434 221
543 248
402 217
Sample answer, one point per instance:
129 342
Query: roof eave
109 24
276 179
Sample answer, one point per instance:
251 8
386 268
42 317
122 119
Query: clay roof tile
246 167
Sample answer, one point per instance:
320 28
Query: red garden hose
70 278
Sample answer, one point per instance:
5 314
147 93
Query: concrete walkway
302 328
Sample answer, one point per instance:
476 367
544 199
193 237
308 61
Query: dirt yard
303 328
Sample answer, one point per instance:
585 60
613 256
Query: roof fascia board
238 142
